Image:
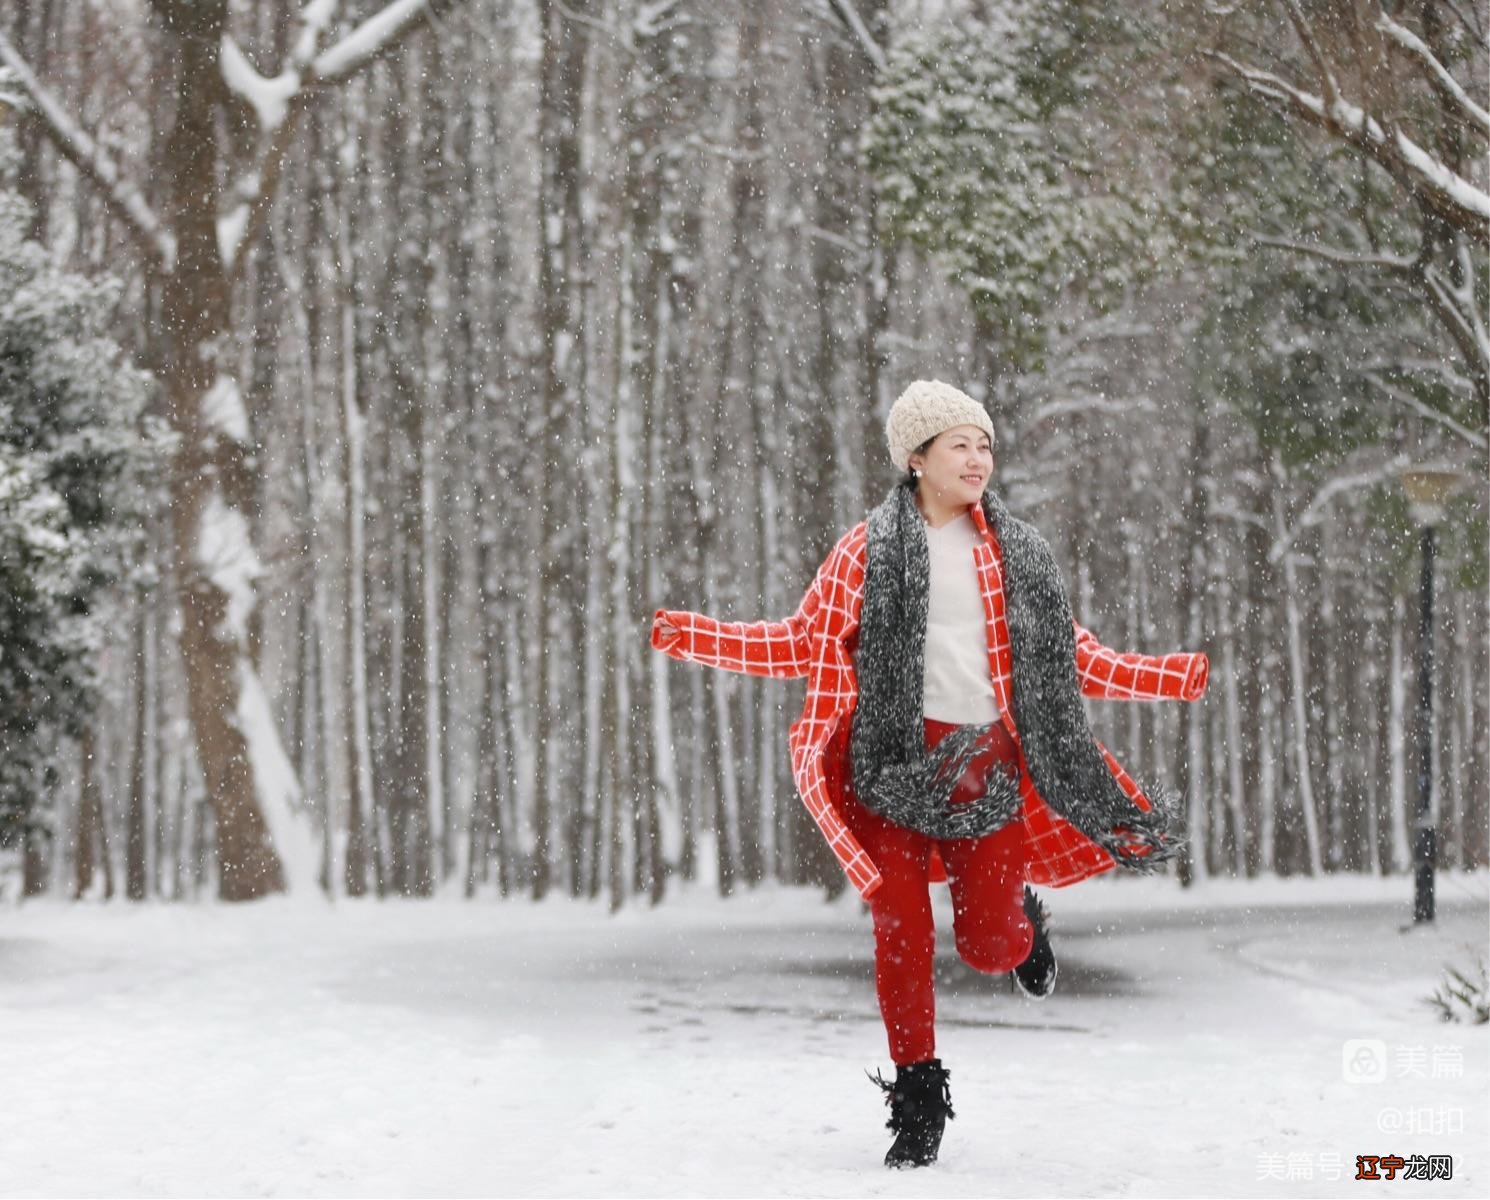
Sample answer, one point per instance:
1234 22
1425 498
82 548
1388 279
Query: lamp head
1428 489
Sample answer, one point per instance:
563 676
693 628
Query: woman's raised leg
986 874
986 877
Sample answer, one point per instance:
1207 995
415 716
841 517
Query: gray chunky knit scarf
894 774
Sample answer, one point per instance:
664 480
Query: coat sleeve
1106 674
779 649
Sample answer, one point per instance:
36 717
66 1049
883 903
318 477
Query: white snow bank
709 1048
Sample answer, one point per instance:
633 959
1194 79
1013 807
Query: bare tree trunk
92 843
34 861
356 732
521 754
1192 583
1267 746
1334 854
613 676
1396 740
412 864
695 796
1461 719
1235 789
1298 680
1137 591
136 864
489 830
561 83
725 798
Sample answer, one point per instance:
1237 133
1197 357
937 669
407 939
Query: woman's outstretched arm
1106 674
780 649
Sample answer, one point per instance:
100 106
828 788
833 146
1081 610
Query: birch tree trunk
1299 686
1333 705
1396 739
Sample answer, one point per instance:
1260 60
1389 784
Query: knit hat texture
926 408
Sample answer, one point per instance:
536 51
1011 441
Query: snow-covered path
1194 1047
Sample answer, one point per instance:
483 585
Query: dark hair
909 479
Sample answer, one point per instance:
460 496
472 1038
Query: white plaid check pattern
816 640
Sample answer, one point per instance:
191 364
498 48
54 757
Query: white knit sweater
958 685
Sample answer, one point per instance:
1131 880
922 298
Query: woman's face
956 466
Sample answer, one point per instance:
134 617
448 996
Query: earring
916 471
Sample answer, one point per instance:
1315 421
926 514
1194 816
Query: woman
944 738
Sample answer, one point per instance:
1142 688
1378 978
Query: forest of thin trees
487 328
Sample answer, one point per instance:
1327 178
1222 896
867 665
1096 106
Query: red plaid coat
815 641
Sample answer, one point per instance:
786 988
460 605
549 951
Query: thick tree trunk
214 486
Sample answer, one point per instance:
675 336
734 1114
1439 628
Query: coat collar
990 538
976 512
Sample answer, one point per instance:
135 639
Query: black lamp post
1427 490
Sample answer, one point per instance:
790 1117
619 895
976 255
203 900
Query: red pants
986 878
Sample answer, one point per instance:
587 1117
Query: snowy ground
1196 1047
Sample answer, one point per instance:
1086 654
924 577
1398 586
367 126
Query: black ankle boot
920 1102
1036 974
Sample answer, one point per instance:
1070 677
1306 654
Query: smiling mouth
972 479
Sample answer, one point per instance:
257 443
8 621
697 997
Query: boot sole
1045 995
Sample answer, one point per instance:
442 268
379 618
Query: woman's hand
663 632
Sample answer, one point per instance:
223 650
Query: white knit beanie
926 408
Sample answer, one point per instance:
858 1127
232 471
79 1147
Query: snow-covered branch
849 15
1390 262
610 31
1438 367
1457 310
1473 22
273 100
1405 398
370 39
1314 511
1453 197
1227 508
276 99
269 97
1069 405
74 144
1321 64
1438 75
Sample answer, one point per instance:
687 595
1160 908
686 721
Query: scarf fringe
918 794
1142 842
